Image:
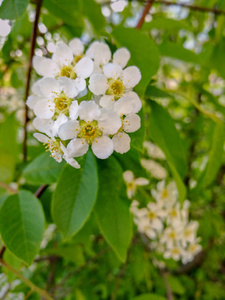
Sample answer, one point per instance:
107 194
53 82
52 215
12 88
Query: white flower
167 194
192 249
170 236
156 170
132 183
114 82
175 252
93 128
54 97
173 215
188 234
57 149
126 108
153 150
64 63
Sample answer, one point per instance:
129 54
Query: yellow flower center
175 251
53 147
151 215
172 235
116 87
68 71
62 104
77 58
89 131
173 213
164 193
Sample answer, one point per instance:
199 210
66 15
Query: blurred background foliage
180 52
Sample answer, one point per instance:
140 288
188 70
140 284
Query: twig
168 289
33 287
40 190
145 12
33 41
7 187
185 5
2 251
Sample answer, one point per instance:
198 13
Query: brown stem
7 187
145 12
40 190
33 41
168 289
192 7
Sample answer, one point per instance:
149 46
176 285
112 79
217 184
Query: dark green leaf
75 196
43 170
12 9
164 133
149 297
112 209
94 14
22 225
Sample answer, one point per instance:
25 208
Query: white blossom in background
85 99
167 224
132 183
153 150
155 169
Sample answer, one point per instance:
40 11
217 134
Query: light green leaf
149 297
178 52
75 195
164 133
12 9
22 225
144 53
43 170
166 24
112 209
215 156
175 285
92 10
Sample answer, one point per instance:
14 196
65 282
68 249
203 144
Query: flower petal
89 111
77 147
43 125
42 138
69 130
76 46
84 67
44 109
80 84
49 87
141 181
128 176
121 142
131 76
102 147
32 100
60 121
45 66
73 111
124 106
107 101
63 55
121 57
100 52
98 84
112 70
109 122
131 123
68 86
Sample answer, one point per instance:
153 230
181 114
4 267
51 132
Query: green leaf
149 297
178 52
112 209
154 92
43 170
22 225
166 24
12 9
137 138
68 10
75 196
94 14
164 133
175 285
215 156
8 148
144 53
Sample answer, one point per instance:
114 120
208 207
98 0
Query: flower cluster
165 222
85 99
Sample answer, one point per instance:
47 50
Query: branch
185 5
35 288
40 190
168 289
193 7
33 41
7 187
145 12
